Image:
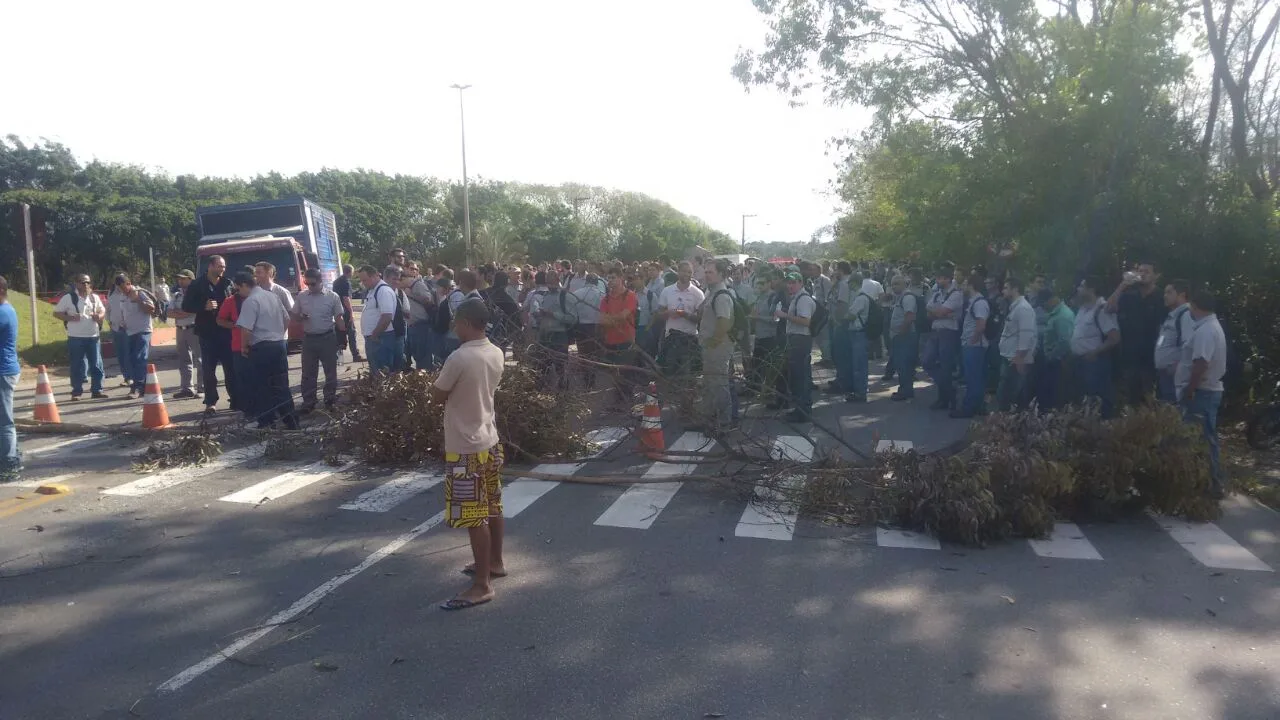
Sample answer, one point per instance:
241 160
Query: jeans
1009 393
215 351
382 352
1048 377
975 379
447 345
351 336
419 339
269 362
86 354
1164 388
248 387
1203 409
121 340
10 456
800 373
903 353
717 387
841 357
319 350
139 354
189 359
858 345
1095 380
941 350
550 357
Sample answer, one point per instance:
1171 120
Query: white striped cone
154 414
46 409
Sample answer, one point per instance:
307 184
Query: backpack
1098 324
1177 323
571 323
444 316
740 327
398 318
818 319
874 325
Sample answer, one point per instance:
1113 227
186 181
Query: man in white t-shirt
83 312
472 450
375 321
678 305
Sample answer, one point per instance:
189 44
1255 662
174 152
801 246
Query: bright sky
633 96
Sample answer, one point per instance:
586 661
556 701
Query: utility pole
31 272
151 255
466 189
744 231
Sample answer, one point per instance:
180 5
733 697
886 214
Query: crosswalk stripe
523 492
395 491
887 537
894 445
281 485
1210 545
1067 542
778 522
79 442
639 506
176 476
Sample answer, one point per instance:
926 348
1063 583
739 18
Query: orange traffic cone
46 408
153 413
651 422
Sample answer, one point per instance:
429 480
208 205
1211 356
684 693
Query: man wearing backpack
838 305
1174 333
1095 335
375 321
716 317
83 312
863 318
553 332
422 309
903 338
798 316
973 349
943 344
138 307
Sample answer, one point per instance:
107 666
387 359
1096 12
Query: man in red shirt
618 318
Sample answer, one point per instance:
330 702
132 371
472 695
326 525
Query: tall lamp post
466 188
744 232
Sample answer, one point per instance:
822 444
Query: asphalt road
274 589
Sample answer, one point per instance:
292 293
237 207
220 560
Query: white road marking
1210 545
894 446
176 476
518 495
79 442
1066 541
281 485
777 522
640 504
307 602
906 539
395 491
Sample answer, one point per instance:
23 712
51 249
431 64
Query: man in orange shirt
618 317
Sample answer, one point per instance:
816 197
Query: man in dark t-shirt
1138 303
204 297
342 288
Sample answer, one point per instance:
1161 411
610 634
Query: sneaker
183 395
75 398
899 397
210 410
134 395
126 382
100 396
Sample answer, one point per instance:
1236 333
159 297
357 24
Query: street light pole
466 189
744 231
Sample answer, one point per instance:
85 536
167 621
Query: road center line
305 603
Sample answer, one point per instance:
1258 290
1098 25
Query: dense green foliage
102 217
1074 137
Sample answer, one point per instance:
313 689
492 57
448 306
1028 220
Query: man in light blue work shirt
1017 346
943 344
1198 380
10 457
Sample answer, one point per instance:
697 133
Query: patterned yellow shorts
473 487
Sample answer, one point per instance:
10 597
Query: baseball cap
793 277
186 274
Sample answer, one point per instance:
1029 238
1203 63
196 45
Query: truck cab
242 253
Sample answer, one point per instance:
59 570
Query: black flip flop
471 572
459 603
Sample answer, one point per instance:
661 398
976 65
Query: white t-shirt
263 317
381 301
872 288
470 375
689 299
84 326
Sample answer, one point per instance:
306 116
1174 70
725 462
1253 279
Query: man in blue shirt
10 458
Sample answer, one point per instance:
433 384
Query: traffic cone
651 422
153 413
46 408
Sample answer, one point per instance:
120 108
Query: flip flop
470 571
461 603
